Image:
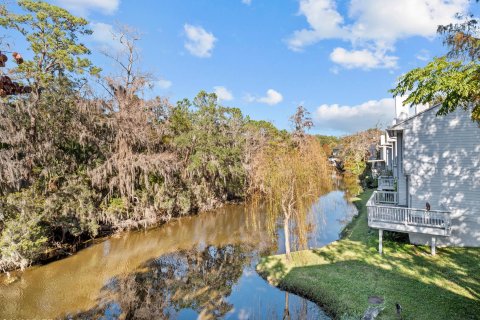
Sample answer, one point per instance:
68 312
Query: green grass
341 276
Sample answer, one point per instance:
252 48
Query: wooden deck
384 215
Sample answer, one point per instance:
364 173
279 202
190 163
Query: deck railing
386 183
386 197
406 216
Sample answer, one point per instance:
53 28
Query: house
334 158
377 160
430 187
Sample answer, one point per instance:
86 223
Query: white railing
406 216
386 197
386 183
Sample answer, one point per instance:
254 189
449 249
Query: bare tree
137 127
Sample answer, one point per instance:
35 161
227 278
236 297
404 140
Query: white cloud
223 93
104 34
249 98
272 97
363 59
423 55
163 83
349 119
247 2
375 25
324 20
82 7
199 42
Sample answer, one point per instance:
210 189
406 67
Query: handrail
372 197
387 182
407 216
386 197
386 178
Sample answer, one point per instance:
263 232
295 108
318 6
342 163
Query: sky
336 58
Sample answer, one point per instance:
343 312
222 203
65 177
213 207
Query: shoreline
69 249
346 231
342 276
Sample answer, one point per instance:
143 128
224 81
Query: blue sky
337 58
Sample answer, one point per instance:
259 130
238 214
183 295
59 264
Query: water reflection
196 267
200 280
191 284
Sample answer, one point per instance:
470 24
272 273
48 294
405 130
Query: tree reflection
200 280
351 185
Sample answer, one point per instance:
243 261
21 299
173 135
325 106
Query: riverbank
135 274
66 249
342 276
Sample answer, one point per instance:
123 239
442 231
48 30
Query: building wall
441 156
401 179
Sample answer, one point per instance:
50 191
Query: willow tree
291 175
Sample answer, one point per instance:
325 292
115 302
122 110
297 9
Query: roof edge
395 126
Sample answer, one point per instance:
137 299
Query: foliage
77 162
23 237
452 79
357 148
328 143
290 175
52 33
210 136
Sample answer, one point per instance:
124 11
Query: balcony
386 197
386 183
384 215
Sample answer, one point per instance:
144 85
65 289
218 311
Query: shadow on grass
344 287
272 268
342 276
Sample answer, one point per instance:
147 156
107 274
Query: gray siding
401 179
441 156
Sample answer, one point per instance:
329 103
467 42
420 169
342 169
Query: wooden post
380 238
433 250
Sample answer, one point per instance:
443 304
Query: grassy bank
343 275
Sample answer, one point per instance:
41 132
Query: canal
194 267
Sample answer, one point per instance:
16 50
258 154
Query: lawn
343 275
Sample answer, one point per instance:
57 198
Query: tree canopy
291 174
53 35
76 163
453 80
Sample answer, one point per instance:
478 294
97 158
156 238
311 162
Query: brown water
195 267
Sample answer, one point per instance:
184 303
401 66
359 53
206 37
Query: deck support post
380 239
433 249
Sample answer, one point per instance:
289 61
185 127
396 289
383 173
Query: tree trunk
286 311
286 230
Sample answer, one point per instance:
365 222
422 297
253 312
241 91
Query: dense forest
78 162
83 153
